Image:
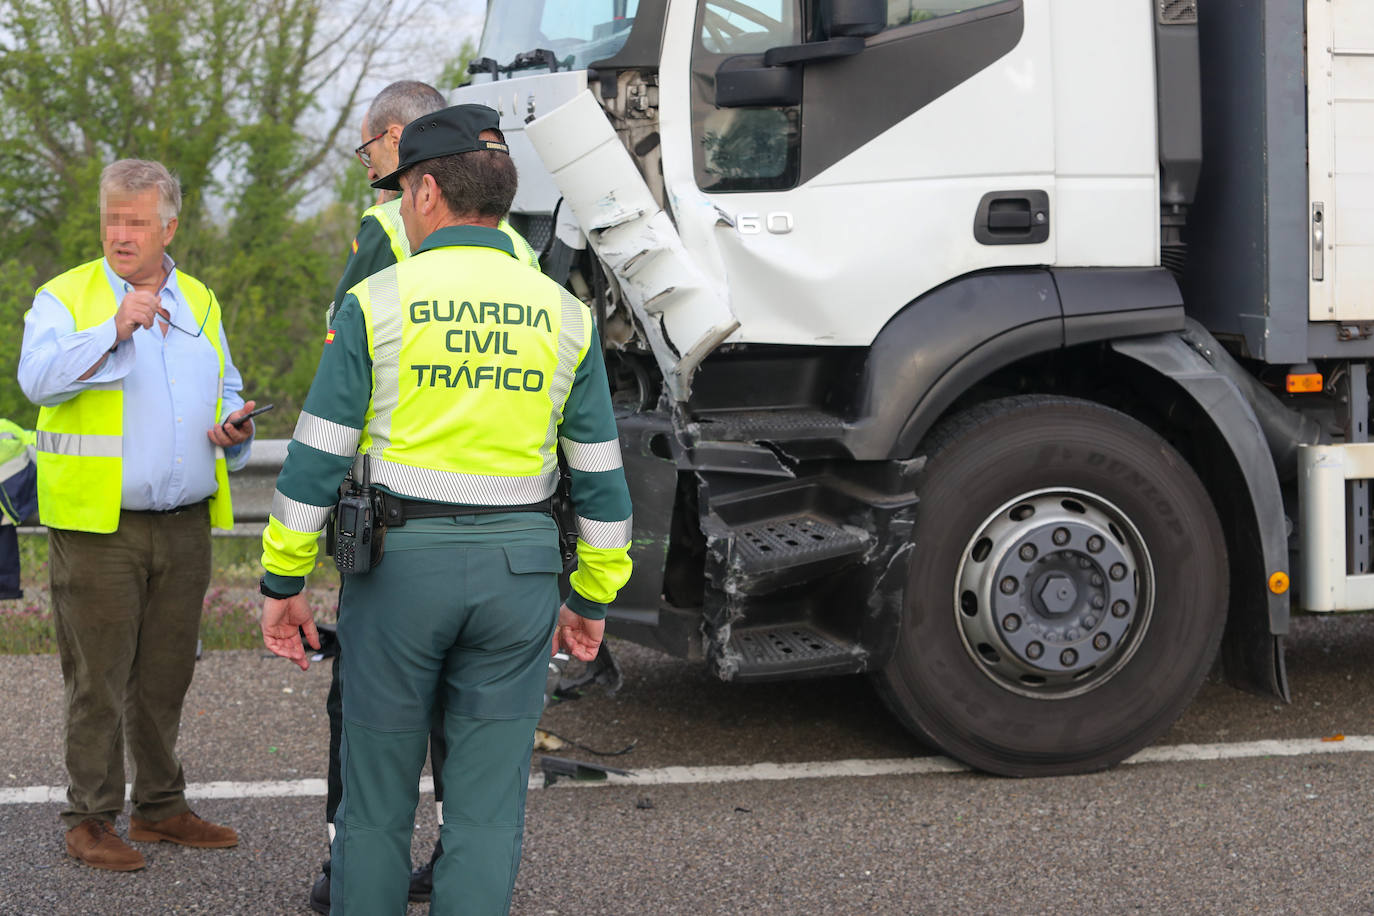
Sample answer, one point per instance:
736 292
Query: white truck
1014 353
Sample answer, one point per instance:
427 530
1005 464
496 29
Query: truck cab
953 342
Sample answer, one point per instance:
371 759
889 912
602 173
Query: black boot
319 893
422 878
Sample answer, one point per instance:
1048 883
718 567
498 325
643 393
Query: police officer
450 380
381 242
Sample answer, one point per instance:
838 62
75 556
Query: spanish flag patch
329 338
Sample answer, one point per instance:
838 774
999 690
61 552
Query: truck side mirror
741 81
852 18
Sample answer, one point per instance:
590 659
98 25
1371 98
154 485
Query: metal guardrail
252 487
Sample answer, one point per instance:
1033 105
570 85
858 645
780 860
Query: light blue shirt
170 386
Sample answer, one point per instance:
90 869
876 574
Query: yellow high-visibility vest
388 216
81 441
467 396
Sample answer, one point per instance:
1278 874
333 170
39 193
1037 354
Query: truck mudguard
1252 650
944 342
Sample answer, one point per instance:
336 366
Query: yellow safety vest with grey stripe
388 216
459 372
80 443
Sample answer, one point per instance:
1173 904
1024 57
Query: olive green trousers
126 612
460 613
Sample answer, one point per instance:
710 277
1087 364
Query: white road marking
759 772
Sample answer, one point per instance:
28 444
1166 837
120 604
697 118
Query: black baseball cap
446 132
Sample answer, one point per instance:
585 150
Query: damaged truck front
940 353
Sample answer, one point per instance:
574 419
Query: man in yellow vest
381 239
381 242
449 382
138 429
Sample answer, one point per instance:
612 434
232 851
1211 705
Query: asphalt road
1279 834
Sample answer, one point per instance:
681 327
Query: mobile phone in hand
239 423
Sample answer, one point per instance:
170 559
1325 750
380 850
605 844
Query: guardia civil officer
381 242
381 239
449 381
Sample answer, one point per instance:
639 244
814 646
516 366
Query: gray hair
134 176
403 102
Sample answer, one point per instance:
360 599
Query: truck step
773 425
787 651
804 544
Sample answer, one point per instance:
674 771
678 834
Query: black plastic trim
932 350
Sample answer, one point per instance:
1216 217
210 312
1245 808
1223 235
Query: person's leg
166 659
393 621
493 697
98 592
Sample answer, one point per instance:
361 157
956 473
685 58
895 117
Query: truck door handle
1012 218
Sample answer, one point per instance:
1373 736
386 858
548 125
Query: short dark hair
479 184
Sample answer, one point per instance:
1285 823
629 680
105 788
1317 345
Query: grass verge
230 618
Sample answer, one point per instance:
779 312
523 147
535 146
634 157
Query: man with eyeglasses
126 356
462 607
381 242
381 239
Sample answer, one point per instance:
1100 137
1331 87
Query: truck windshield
576 31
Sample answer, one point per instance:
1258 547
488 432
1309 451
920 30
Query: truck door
928 154
1340 37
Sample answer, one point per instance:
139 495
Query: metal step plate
789 650
794 540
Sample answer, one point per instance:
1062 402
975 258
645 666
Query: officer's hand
227 434
282 620
136 310
581 636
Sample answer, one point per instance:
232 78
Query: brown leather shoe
95 843
185 829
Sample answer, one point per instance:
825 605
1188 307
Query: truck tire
1067 589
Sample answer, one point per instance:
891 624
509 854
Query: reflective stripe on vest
86 446
455 487
388 216
299 516
79 447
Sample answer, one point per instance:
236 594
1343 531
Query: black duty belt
397 510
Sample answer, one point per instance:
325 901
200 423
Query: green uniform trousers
459 613
126 612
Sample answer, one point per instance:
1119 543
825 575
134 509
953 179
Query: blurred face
133 236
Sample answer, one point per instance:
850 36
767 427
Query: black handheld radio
353 540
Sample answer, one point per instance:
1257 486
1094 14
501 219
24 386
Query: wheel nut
1027 552
1089 622
1034 650
1120 609
1008 586
1084 563
1095 544
1011 623
1068 658
1097 580
1061 536
1117 572
1099 602
1101 641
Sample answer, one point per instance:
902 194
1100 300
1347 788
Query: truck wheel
1067 589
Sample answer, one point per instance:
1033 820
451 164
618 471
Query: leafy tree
224 93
